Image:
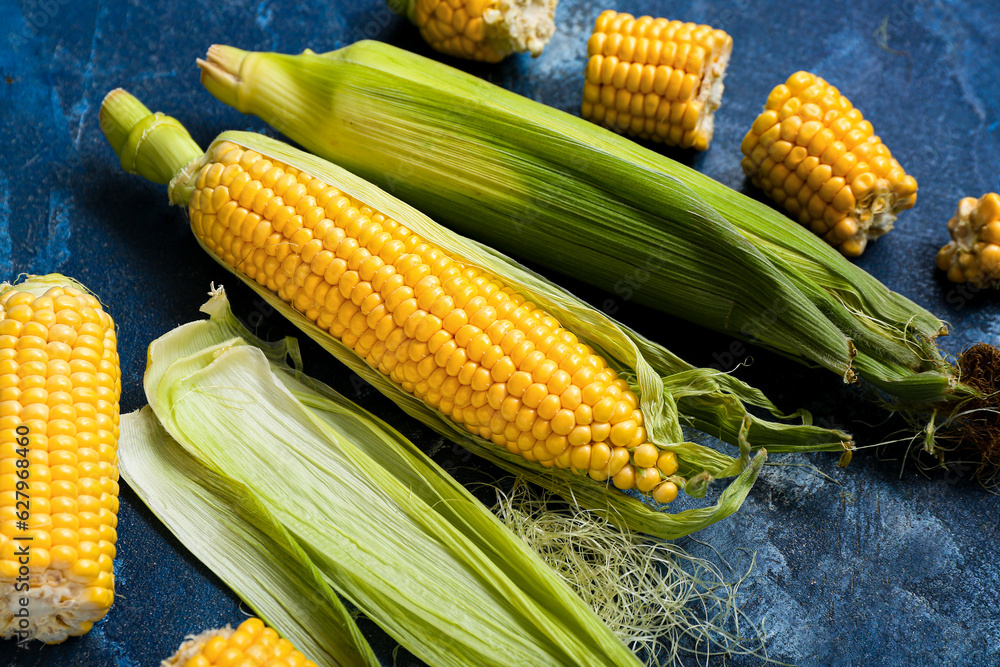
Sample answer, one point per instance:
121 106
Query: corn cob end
485 30
655 79
973 254
813 153
252 643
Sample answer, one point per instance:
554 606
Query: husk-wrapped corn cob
487 30
59 390
815 154
655 79
973 254
251 644
611 213
376 281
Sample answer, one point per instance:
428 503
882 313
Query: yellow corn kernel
973 254
252 643
657 80
486 30
445 331
846 186
58 461
665 492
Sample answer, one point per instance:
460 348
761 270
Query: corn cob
655 79
612 214
59 391
252 644
973 254
455 337
815 154
486 30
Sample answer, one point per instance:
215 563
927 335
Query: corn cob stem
126 122
59 390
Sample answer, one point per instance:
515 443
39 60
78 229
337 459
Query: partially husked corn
252 644
973 254
460 340
59 406
486 30
655 79
815 154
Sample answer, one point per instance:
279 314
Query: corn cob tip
973 254
251 643
152 145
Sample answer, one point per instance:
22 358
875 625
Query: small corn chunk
655 79
815 154
453 336
486 30
252 644
973 254
59 391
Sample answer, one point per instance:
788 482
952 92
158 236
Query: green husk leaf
389 530
224 525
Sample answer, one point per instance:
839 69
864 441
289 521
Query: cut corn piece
487 30
655 79
251 644
973 254
59 391
812 152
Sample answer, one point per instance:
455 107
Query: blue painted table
876 564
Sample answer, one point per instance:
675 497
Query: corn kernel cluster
486 30
252 644
455 337
655 79
815 154
59 389
973 254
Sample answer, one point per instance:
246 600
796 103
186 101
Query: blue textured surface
875 565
